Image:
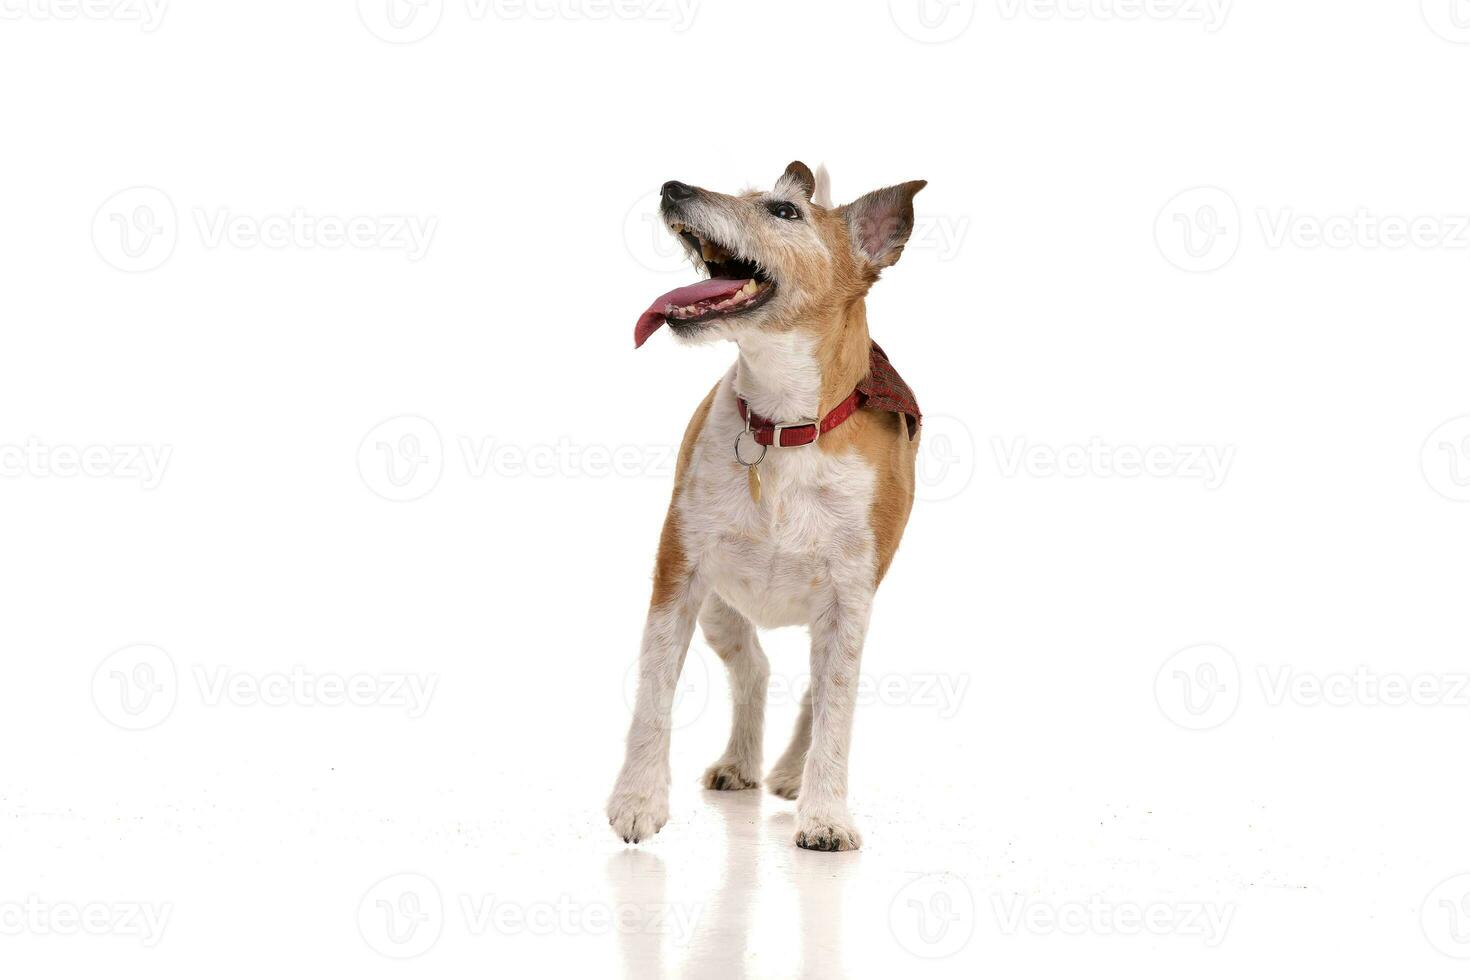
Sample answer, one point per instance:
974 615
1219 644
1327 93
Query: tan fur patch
671 567
882 439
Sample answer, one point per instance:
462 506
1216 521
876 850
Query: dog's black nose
674 192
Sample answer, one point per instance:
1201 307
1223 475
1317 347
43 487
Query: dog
793 485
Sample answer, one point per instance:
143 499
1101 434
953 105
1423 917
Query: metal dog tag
752 470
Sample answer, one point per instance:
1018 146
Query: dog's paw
827 835
726 774
785 783
637 816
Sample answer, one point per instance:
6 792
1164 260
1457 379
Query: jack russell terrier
793 485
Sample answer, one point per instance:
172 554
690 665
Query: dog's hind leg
639 805
732 636
784 778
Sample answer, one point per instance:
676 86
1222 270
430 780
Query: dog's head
778 258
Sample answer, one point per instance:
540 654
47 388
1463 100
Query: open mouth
736 286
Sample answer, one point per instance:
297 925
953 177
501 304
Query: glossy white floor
1137 851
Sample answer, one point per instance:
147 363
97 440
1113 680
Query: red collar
802 432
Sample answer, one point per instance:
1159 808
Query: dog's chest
778 560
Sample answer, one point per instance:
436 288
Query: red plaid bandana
883 389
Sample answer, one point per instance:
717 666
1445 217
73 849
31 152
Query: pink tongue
654 317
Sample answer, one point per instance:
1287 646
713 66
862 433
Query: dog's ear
822 197
798 179
880 223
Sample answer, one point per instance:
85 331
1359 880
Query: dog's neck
805 371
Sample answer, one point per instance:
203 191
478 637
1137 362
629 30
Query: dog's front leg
822 820
639 805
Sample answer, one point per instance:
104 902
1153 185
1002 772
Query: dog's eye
784 211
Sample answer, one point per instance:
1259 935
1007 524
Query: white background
1034 746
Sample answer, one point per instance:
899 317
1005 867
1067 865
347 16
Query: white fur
778 375
803 555
639 806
